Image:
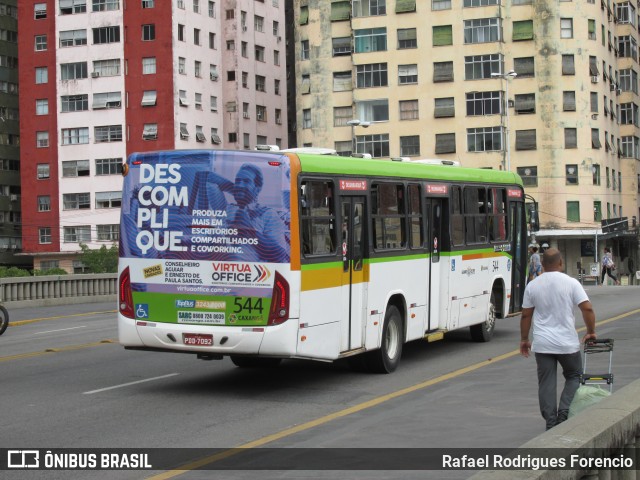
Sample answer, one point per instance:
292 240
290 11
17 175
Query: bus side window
475 215
317 218
457 220
389 222
416 230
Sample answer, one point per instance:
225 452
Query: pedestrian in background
535 266
608 266
548 304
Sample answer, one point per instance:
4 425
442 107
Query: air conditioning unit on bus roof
436 161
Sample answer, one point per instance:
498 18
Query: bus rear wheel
483 332
387 358
255 362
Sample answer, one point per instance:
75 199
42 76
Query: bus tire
255 362
387 358
483 332
4 319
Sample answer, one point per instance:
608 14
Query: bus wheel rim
392 340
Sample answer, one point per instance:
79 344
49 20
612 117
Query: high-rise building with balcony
545 89
101 79
10 193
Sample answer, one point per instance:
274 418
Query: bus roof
384 168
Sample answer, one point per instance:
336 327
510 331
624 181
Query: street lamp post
506 77
353 124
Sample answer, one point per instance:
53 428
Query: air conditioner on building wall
13 197
214 77
595 79
244 28
95 74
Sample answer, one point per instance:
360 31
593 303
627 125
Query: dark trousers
547 363
607 271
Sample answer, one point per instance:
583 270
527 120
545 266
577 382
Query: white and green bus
264 256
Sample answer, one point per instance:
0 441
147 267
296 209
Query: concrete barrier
612 424
58 289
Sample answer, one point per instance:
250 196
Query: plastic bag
585 396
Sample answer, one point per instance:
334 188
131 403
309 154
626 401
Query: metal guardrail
58 289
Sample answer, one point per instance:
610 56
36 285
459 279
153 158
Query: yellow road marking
55 350
42 319
348 411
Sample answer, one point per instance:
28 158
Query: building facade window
149 65
529 175
407 38
571 174
375 145
445 143
410 146
371 75
444 107
570 138
149 32
566 28
108 133
407 74
74 103
108 166
75 136
44 235
44 203
482 30
373 110
573 211
484 103
73 38
409 110
484 139
482 66
526 139
108 233
102 35
366 8
76 201
370 40
77 234
43 170
73 71
75 168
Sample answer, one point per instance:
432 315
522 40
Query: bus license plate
198 339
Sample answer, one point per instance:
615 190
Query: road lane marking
130 383
60 330
69 348
348 411
16 323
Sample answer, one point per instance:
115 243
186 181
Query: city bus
266 255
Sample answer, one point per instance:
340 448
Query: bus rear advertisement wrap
204 235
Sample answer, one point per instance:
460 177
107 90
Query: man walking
548 303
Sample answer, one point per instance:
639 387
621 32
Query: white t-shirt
553 295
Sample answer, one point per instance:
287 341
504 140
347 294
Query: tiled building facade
545 89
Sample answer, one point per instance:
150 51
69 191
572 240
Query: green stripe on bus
365 166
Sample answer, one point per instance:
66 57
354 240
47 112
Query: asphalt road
67 383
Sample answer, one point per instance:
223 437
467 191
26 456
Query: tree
101 260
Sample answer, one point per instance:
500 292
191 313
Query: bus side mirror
532 215
534 223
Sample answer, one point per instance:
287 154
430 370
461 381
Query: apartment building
545 89
101 79
10 214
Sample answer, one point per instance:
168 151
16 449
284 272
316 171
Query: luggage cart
604 345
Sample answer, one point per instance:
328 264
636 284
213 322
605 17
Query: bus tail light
279 311
124 295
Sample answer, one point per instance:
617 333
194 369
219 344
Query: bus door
518 226
434 207
354 282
